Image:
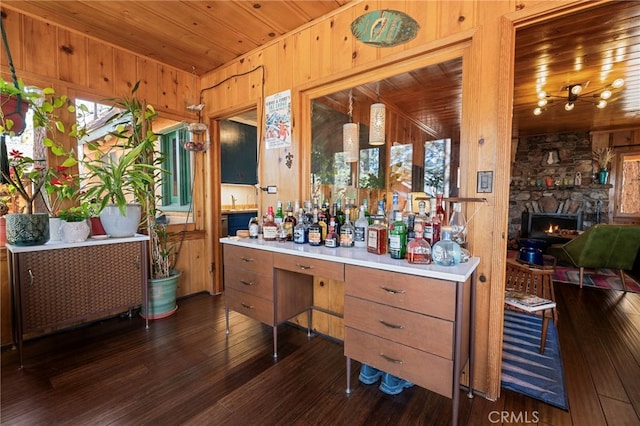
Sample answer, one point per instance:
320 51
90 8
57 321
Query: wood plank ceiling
591 47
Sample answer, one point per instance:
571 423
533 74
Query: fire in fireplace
541 225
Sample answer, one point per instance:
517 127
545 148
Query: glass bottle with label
333 238
421 218
360 232
398 238
289 222
300 230
254 227
377 236
347 230
446 252
269 227
315 232
418 250
278 218
435 225
440 211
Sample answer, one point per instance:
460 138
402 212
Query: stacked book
527 302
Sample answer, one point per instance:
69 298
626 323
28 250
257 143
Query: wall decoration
485 182
384 28
278 120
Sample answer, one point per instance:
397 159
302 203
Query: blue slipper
369 375
392 385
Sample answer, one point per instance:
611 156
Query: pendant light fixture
377 121
350 137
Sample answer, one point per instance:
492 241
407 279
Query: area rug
600 278
524 369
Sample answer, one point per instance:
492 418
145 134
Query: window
176 183
627 182
437 167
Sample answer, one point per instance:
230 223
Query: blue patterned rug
524 369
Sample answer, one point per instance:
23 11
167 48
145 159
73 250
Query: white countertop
360 257
55 245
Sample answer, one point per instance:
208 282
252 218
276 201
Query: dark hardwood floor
186 370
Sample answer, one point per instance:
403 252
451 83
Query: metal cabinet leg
348 391
275 341
226 315
309 322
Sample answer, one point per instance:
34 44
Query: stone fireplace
553 177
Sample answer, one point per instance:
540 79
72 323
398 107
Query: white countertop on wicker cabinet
360 257
56 245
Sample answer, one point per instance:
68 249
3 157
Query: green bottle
398 238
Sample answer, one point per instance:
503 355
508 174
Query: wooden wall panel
100 65
39 48
13 27
125 69
72 54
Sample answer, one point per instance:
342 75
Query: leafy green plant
75 214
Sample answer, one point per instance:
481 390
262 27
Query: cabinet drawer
260 261
428 296
419 331
249 282
250 305
421 368
309 266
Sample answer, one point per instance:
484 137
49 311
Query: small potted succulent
75 224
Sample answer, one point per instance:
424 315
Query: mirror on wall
420 155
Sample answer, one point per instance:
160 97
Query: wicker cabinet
58 285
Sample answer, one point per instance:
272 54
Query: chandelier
576 93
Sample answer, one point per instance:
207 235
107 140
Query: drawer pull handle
392 291
31 277
393 360
305 267
388 324
247 282
247 306
246 259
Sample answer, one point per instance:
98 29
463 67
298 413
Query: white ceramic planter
54 228
117 225
74 232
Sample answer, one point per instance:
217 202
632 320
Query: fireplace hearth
551 227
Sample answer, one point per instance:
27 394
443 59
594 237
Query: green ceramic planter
162 297
27 229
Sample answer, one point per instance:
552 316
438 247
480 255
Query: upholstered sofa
601 246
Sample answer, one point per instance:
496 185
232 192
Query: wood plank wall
324 54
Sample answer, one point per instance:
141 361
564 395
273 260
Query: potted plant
74 227
603 157
135 176
27 176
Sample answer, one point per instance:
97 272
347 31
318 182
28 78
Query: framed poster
278 120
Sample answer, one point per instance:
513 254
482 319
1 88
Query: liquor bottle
333 214
440 209
254 227
408 216
458 225
347 230
421 218
418 250
340 214
289 222
433 229
398 238
360 233
446 252
333 238
377 236
315 232
300 230
391 214
367 214
269 227
278 218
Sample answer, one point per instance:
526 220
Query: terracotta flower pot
15 111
